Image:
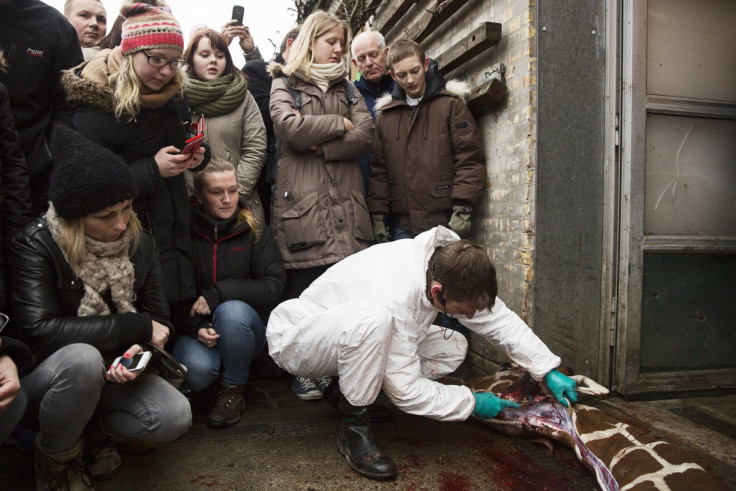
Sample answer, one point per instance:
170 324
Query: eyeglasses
159 62
3 320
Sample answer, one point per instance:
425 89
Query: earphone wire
441 298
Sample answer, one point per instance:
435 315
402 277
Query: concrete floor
284 443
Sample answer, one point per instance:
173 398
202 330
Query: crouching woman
87 288
240 276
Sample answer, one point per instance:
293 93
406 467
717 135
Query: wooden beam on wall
486 97
393 14
486 35
434 19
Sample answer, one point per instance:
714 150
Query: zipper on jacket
214 263
449 136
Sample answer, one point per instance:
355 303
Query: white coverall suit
368 320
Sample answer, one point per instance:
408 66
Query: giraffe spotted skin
622 455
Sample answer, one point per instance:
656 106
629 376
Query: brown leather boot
229 405
61 471
101 457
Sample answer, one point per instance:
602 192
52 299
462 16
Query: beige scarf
323 74
106 64
106 266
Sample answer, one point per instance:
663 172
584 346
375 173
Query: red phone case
193 143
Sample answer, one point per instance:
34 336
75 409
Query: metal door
673 284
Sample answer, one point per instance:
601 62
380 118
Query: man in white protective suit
368 319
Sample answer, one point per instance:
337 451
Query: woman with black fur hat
87 288
130 101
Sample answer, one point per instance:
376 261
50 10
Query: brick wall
504 221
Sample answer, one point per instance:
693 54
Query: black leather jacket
47 294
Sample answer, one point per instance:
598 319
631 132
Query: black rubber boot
356 443
377 413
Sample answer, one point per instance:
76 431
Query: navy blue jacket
371 92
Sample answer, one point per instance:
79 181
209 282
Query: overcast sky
269 19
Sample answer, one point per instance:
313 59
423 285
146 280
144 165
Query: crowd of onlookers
119 237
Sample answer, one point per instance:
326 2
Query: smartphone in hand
238 12
193 143
136 363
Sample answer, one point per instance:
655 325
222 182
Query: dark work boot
229 406
356 443
377 413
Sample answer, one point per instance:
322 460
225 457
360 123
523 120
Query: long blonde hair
127 95
318 23
71 238
246 215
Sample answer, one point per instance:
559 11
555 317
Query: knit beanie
86 178
149 27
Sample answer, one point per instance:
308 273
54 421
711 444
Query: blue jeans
401 233
242 336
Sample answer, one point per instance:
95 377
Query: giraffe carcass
622 455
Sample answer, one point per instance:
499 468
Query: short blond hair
68 6
404 48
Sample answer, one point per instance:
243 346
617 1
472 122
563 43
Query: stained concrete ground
285 443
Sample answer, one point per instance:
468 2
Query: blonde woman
235 130
320 215
240 277
87 288
130 102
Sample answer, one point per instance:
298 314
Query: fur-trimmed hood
86 92
3 63
454 88
275 69
436 86
92 91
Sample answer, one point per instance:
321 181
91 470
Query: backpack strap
295 94
350 92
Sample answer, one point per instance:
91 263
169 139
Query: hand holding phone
136 363
238 12
196 132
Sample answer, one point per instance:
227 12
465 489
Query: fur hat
149 27
86 178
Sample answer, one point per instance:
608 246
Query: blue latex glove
488 406
561 386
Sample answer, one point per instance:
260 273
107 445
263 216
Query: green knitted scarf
216 97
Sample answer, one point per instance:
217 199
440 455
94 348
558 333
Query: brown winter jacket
425 159
320 215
